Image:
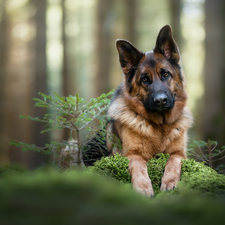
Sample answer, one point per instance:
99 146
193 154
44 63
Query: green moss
86 197
206 184
194 175
115 166
76 197
156 169
190 166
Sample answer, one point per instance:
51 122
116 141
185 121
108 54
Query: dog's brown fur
144 132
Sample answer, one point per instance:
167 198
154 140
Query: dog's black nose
160 99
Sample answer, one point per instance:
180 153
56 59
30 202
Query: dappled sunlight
54 48
15 4
193 49
24 31
71 4
72 29
54 60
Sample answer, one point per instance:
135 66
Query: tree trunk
130 20
40 84
4 37
213 126
175 7
65 75
104 45
66 83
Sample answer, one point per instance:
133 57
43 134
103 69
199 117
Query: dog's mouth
151 107
165 108
159 109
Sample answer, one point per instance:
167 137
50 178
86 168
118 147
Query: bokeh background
68 46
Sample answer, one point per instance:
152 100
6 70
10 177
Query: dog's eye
165 75
144 79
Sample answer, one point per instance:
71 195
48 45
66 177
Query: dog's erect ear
166 45
129 56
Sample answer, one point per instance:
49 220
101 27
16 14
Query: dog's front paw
144 189
168 184
143 185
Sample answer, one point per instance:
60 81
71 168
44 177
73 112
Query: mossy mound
76 197
211 184
116 166
194 175
50 197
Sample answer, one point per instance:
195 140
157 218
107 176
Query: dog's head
155 77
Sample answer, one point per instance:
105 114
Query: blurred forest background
68 46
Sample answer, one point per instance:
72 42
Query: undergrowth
194 175
49 197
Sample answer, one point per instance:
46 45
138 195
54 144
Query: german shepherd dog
148 112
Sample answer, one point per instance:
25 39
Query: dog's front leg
139 175
172 172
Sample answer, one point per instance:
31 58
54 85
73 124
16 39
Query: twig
58 109
214 147
219 159
202 153
81 128
199 157
78 134
210 154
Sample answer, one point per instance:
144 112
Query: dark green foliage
200 178
156 169
75 114
194 175
52 198
206 184
12 169
207 152
190 166
49 197
220 169
116 166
